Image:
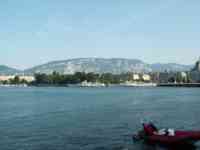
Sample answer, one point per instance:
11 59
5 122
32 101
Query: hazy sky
37 31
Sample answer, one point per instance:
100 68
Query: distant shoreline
108 85
178 84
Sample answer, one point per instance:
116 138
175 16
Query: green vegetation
16 80
60 79
57 79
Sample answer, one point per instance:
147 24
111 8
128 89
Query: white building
146 77
136 77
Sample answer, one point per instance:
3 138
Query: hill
102 65
5 70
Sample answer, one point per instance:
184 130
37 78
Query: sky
34 32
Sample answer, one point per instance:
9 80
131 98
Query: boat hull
151 135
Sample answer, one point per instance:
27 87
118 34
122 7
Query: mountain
102 65
5 70
98 65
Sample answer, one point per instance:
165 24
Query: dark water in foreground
90 118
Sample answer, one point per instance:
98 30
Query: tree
41 79
189 79
92 77
179 78
16 80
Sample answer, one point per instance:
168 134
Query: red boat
169 137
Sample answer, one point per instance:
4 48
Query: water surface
90 118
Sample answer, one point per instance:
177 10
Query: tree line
63 79
15 80
107 78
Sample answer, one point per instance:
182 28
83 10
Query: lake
90 118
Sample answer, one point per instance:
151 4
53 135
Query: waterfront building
136 77
195 77
163 77
166 77
154 77
146 77
195 73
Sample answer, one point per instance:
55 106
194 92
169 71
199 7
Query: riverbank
101 85
13 85
178 84
98 85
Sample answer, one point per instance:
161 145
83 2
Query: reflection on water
91 118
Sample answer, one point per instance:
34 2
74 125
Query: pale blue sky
37 31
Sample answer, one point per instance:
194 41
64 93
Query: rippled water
90 118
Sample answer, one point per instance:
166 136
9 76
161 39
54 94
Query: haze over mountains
97 65
8 70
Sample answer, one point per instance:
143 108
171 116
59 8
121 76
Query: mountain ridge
103 65
5 70
97 65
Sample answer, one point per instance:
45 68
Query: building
195 76
154 77
166 77
146 77
195 73
136 77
